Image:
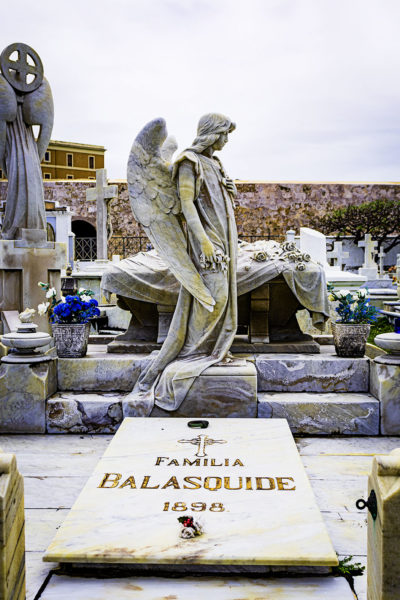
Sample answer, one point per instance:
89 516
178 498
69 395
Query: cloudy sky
313 85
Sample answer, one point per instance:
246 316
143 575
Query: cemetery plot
242 481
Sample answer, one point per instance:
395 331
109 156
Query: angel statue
25 100
187 211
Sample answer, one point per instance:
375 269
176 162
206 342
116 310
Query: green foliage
382 325
348 569
353 307
380 218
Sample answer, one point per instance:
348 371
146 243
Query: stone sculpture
25 100
197 191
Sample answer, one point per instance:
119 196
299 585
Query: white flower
81 290
85 298
51 292
362 292
343 293
42 308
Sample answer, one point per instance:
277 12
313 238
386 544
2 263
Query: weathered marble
99 371
124 525
226 588
385 385
384 531
302 373
12 530
23 393
329 413
220 391
83 413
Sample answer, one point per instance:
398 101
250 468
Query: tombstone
369 268
102 194
230 476
12 530
338 255
381 256
383 570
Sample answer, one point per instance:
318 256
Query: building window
1 174
47 175
69 160
47 156
70 176
91 162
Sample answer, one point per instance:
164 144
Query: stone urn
350 339
71 340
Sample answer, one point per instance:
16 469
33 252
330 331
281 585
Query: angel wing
8 112
38 109
155 204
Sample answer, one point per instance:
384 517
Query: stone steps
307 413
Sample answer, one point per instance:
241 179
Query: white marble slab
277 524
227 588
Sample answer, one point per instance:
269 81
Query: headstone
338 255
290 235
369 268
383 568
12 530
102 194
242 479
381 256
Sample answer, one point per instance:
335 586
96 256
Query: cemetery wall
263 208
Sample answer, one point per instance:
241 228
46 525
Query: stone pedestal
385 385
23 263
384 531
12 530
223 390
24 389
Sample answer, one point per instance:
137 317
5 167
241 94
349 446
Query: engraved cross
202 441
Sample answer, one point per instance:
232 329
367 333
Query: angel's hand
207 249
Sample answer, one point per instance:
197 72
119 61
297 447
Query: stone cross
102 194
202 441
337 254
381 256
369 251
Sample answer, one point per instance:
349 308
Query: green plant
380 218
381 325
348 569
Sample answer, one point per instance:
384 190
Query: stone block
383 569
12 530
311 373
385 385
322 414
99 371
221 391
24 389
83 413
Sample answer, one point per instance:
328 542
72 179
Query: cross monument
102 194
369 268
338 254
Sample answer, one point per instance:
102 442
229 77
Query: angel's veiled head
212 131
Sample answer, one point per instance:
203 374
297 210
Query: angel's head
212 131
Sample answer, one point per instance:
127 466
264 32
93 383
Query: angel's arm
187 185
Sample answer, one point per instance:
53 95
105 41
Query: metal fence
85 248
127 245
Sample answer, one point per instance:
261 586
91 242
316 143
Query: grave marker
102 194
369 268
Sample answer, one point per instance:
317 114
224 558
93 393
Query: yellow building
69 160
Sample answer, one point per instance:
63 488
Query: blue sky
313 85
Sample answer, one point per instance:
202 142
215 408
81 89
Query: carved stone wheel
16 71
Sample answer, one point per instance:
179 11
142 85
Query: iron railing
85 248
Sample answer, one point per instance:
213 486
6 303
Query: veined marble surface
272 520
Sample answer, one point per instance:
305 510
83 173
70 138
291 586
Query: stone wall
263 208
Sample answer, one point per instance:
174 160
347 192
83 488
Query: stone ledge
311 373
83 413
322 414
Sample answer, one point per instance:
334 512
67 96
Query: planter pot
350 339
71 340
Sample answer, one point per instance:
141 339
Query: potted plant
70 318
350 332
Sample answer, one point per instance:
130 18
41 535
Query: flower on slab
42 308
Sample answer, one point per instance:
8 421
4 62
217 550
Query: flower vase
350 339
71 340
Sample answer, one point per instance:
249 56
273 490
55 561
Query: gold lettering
218 483
195 485
282 484
173 462
227 484
106 480
160 459
271 483
191 463
130 481
227 462
172 482
248 483
213 464
145 481
205 462
238 462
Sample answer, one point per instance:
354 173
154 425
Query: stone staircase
319 394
